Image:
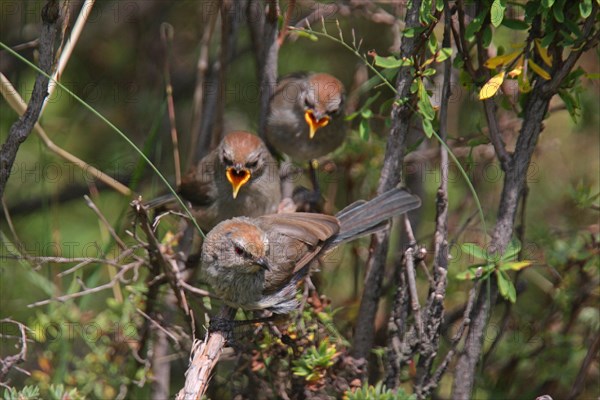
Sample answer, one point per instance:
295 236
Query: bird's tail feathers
160 201
365 217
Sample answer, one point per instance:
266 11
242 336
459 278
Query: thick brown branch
205 355
390 177
21 129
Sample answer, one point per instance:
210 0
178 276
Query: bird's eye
252 164
227 161
238 250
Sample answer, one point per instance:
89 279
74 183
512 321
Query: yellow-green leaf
491 87
515 266
547 58
524 85
497 61
539 70
516 72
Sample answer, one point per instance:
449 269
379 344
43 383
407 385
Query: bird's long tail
160 201
365 217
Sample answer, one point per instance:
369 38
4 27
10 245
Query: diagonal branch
390 177
21 129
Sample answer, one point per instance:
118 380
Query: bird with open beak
306 118
238 178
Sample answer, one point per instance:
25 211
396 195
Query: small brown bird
257 263
306 116
238 178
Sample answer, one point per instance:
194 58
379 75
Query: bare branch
21 129
204 357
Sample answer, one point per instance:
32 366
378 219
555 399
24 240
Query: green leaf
424 103
497 12
585 8
546 40
428 128
547 3
391 62
469 274
409 32
366 113
474 250
572 104
503 284
486 37
304 34
515 24
515 266
439 5
513 248
475 25
443 54
363 129
432 43
558 11
428 72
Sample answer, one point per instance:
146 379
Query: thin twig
201 72
9 362
166 35
167 264
65 55
108 226
119 277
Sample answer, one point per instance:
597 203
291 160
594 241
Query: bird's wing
198 184
306 227
295 239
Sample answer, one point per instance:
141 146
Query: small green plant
377 392
27 393
496 263
315 361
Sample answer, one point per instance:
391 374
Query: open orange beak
237 178
314 123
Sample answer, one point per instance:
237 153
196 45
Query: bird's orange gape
237 178
314 123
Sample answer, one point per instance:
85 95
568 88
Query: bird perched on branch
258 263
306 117
238 178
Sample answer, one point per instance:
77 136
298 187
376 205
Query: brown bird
257 263
238 178
306 117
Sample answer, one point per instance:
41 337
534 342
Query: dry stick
286 22
122 246
201 70
409 258
390 177
534 112
21 129
18 104
119 277
166 35
205 355
591 355
157 257
437 292
84 13
9 362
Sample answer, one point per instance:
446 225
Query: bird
306 118
258 263
238 178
